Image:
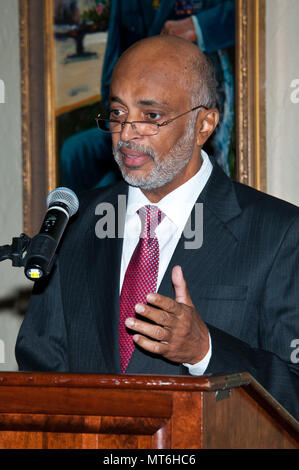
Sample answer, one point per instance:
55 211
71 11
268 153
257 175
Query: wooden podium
86 411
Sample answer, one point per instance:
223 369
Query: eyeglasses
142 128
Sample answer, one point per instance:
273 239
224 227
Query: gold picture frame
250 93
38 115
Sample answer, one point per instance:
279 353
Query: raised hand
177 332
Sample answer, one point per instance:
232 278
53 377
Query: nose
127 132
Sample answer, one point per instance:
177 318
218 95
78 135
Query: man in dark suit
226 303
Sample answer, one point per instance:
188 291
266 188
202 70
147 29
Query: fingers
151 346
182 28
180 287
182 295
168 332
156 332
163 321
165 306
164 303
158 315
167 27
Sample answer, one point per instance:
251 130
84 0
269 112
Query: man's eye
153 116
115 113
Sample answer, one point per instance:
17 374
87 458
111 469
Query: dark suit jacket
244 282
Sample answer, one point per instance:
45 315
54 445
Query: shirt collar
178 204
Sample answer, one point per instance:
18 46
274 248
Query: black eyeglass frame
158 125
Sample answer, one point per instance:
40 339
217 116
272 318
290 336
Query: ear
206 122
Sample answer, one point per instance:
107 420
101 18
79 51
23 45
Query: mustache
139 148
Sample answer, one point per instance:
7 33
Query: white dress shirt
177 207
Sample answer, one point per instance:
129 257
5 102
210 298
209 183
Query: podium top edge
127 381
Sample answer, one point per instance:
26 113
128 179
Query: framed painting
63 44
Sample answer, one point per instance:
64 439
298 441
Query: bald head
184 60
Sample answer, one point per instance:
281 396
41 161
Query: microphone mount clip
16 251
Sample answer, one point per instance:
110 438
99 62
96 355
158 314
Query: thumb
180 287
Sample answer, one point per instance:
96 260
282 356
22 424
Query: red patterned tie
140 278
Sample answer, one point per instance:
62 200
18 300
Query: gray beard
165 171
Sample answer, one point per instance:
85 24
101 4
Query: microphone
62 204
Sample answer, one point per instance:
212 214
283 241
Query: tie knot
150 217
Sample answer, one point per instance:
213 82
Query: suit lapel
220 206
103 282
200 265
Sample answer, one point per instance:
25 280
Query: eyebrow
113 99
143 102
151 103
